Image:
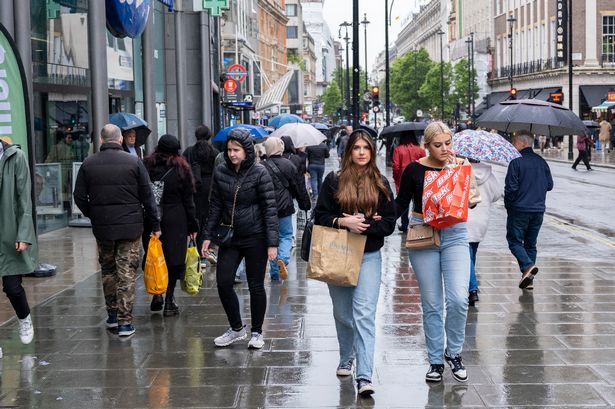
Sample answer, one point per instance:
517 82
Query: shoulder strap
269 164
165 175
239 181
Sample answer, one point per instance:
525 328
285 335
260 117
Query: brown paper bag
336 256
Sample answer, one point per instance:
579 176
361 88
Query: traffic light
375 96
513 93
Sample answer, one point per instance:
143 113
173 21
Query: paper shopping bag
336 256
446 195
155 274
193 277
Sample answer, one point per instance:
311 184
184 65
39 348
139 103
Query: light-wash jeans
443 274
285 244
354 310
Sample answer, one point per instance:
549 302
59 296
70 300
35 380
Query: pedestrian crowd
242 204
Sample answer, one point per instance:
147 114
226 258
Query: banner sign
14 106
610 96
561 30
127 18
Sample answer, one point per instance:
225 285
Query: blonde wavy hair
434 129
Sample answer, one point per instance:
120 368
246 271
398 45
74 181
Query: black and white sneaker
459 371
345 368
365 387
434 374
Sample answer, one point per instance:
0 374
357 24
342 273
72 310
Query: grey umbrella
536 116
396 130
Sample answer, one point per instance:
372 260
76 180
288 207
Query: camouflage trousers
119 261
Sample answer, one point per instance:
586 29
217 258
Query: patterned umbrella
483 145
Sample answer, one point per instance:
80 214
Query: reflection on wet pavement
554 346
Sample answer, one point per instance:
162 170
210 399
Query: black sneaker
111 320
434 374
473 298
125 330
365 387
170 308
157 303
459 371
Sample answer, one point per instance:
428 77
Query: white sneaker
257 341
230 336
26 330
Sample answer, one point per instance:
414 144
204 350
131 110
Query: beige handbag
422 236
336 256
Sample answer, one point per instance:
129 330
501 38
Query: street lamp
441 34
346 24
387 68
511 21
338 64
365 22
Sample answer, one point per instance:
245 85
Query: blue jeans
473 279
522 233
354 310
316 174
285 244
443 274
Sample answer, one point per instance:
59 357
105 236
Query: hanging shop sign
610 96
561 30
230 86
127 18
168 3
14 107
214 7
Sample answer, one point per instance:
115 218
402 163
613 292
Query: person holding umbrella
527 182
129 143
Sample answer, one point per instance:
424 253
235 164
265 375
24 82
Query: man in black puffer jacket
242 196
113 190
289 185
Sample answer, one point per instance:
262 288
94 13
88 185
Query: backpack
158 191
280 183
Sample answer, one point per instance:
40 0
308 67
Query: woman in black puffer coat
255 235
178 214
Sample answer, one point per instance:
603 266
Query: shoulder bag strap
239 181
269 164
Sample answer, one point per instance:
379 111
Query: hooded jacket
113 190
255 208
297 158
16 215
491 191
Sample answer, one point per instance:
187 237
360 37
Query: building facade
294 55
422 29
314 20
309 74
272 40
537 72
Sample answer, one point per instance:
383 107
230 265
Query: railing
60 74
528 68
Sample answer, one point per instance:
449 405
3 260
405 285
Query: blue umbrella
319 126
281 120
258 132
126 121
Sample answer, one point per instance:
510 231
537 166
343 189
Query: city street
553 346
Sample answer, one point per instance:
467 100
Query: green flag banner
13 94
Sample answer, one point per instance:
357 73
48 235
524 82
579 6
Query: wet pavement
554 346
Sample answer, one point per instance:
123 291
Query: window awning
545 93
274 95
496 97
595 94
605 106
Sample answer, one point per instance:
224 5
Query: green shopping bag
193 278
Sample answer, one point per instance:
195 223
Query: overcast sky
336 11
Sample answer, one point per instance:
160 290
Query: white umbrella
301 134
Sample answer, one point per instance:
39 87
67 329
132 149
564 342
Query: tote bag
336 256
446 195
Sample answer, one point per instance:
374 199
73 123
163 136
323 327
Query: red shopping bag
445 196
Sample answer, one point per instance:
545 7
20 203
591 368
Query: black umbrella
536 116
371 131
591 124
398 129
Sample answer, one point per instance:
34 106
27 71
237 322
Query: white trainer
230 336
256 341
26 330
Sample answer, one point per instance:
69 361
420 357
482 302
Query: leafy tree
431 91
408 73
332 100
339 76
461 83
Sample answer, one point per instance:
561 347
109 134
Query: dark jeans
11 285
316 174
229 257
522 233
583 156
405 221
473 278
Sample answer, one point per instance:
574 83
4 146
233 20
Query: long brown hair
359 188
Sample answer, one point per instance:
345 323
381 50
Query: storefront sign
127 18
561 30
230 86
610 96
238 72
14 114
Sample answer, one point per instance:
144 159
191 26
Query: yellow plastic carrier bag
193 277
155 274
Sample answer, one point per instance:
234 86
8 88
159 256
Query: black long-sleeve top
411 187
327 209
